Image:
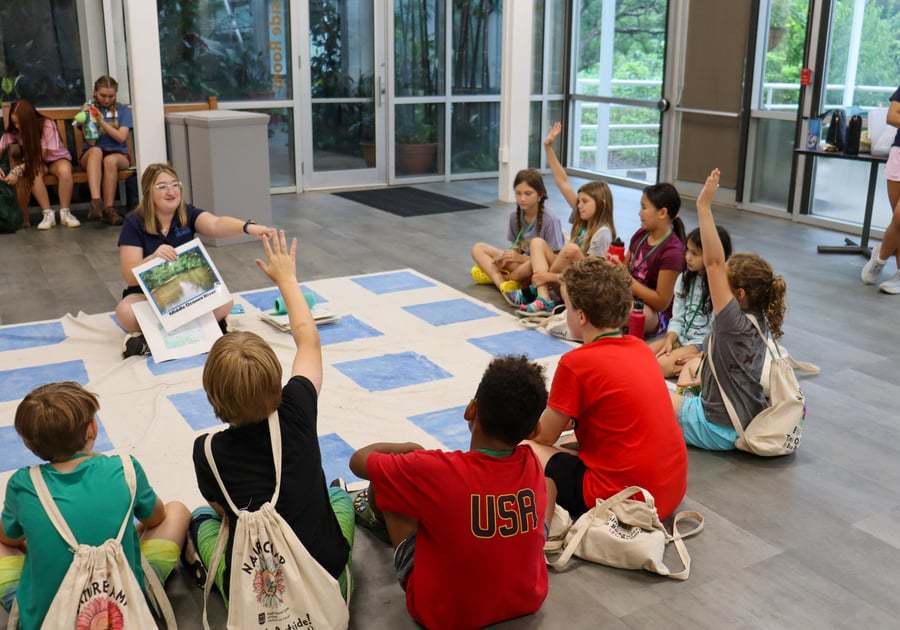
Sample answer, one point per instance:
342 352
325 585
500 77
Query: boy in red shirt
613 390
466 524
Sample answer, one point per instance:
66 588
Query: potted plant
416 144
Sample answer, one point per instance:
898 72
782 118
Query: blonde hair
242 378
52 419
147 209
765 291
603 216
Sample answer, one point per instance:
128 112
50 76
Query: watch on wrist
247 224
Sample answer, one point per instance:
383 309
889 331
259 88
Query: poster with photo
181 290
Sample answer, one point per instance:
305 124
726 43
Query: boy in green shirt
57 423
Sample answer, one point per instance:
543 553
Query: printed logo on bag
792 439
101 612
505 514
621 532
268 583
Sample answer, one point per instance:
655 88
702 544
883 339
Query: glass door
343 94
618 63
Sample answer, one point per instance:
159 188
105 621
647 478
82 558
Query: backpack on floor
275 582
623 533
99 584
10 212
554 324
777 429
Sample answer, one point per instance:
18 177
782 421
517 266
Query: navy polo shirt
133 232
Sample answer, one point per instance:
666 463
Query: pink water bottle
636 320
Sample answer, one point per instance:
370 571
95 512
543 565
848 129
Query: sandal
539 307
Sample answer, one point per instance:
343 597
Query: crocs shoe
479 276
538 307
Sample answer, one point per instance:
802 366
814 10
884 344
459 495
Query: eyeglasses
164 186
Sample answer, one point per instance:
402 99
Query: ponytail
776 307
678 228
765 291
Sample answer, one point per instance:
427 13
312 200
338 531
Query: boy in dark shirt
465 524
242 379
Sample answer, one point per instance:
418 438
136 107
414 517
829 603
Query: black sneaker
135 346
367 516
223 325
191 560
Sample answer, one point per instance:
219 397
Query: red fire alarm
805 76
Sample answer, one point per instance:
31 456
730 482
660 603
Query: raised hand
709 189
281 263
553 134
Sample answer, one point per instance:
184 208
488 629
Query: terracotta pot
368 153
416 159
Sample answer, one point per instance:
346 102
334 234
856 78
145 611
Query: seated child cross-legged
467 524
242 379
742 287
57 423
613 390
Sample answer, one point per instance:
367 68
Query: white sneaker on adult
891 286
872 269
67 218
48 221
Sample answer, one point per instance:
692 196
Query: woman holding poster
162 222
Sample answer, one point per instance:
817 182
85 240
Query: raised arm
713 253
281 267
559 173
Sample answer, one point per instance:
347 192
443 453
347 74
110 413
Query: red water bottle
616 252
636 320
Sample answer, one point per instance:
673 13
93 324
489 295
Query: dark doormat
406 201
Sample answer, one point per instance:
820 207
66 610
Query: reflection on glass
419 41
772 162
477 45
554 115
635 67
534 135
40 53
839 192
343 136
556 82
341 53
475 137
236 50
537 48
281 145
784 54
619 140
419 147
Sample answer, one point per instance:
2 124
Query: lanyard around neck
686 329
496 453
523 229
612 333
645 259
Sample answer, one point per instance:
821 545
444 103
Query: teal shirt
93 499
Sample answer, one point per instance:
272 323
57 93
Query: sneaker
479 276
111 216
48 221
872 269
95 211
192 562
367 516
68 219
891 286
339 482
135 346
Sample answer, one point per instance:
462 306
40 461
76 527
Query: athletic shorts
567 472
700 432
892 168
403 558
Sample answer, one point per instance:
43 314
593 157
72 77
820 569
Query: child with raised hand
507 269
691 310
58 423
242 379
593 230
467 527
745 294
655 254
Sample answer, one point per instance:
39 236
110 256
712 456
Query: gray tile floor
812 541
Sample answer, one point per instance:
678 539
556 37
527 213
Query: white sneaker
48 221
872 269
891 286
67 218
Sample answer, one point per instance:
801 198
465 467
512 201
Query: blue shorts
700 432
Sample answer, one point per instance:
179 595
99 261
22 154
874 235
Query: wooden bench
63 117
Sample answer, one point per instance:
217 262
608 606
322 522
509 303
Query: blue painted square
390 371
194 407
31 336
347 328
449 311
16 454
531 343
336 458
264 300
393 282
15 384
446 425
175 365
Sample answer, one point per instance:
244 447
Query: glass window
476 137
840 192
772 155
537 48
556 82
281 145
40 53
785 46
419 148
341 56
419 41
236 50
477 26
621 140
343 136
534 135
